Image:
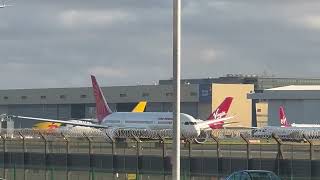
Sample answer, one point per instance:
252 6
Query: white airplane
286 128
147 120
285 123
140 107
3 5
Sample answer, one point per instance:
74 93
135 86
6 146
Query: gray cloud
59 43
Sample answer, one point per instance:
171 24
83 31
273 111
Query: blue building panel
205 92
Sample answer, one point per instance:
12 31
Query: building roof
296 88
298 92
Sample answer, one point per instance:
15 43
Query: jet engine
202 138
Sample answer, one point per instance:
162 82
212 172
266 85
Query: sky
50 44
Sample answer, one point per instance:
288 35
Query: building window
83 96
193 94
62 96
5 97
145 94
123 95
169 94
23 97
43 97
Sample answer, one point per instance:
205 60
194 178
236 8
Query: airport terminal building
301 103
198 98
76 103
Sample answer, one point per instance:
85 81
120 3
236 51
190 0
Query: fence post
24 154
4 155
90 154
113 141
187 142
189 155
67 153
280 151
161 142
248 149
45 144
113 153
218 153
90 143
45 152
138 154
311 148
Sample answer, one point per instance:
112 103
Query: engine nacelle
202 138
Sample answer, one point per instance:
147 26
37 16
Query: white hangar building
301 103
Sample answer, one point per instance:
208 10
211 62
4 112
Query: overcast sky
46 43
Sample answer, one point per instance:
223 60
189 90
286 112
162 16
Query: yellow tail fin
140 106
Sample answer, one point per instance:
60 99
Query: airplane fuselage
305 125
152 121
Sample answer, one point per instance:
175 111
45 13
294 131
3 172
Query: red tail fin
283 118
220 112
102 108
222 109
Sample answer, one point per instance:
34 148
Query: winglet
140 107
222 109
283 118
102 108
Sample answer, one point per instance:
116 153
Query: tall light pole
176 89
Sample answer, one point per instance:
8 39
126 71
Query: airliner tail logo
102 108
222 109
220 112
283 118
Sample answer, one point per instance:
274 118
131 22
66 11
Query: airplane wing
207 122
86 124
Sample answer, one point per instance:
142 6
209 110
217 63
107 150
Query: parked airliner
147 120
140 107
285 123
286 129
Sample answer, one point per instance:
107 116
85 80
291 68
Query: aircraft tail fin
283 119
102 108
222 109
140 107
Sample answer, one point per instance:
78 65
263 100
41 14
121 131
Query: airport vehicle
285 123
140 107
253 175
107 119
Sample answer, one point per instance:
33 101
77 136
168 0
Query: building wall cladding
241 107
297 111
262 114
300 102
117 94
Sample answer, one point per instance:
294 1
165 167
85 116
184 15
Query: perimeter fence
95 154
